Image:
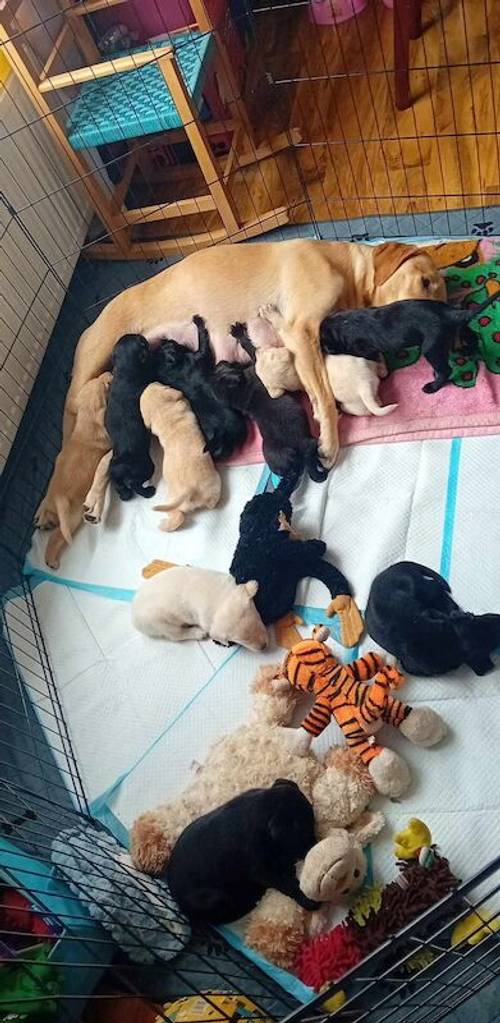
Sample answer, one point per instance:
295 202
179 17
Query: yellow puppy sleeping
192 479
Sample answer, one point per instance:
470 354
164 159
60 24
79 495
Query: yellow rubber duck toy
409 843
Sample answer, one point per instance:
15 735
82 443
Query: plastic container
334 12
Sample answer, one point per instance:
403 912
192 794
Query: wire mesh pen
287 125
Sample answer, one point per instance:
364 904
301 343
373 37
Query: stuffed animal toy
332 869
378 914
270 552
339 789
342 692
412 614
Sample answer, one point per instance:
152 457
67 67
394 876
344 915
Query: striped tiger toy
343 692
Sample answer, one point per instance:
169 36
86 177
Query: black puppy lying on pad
286 437
224 428
269 551
411 613
131 464
436 326
222 863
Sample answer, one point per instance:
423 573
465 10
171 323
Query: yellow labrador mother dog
304 279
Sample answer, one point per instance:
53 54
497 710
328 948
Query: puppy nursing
192 479
353 381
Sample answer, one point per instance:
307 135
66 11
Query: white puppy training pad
153 709
114 552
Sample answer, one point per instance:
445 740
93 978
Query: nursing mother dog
304 279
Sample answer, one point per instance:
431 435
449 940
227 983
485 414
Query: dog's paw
431 387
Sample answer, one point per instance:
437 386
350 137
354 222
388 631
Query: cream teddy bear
339 788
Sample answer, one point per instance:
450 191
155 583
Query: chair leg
200 143
416 19
402 53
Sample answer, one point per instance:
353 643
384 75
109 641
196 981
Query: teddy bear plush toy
343 692
339 787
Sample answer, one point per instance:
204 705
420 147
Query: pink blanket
452 412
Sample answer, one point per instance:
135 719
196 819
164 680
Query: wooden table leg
402 53
416 19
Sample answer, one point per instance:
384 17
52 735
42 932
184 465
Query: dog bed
139 911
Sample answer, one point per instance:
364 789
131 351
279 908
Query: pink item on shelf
334 12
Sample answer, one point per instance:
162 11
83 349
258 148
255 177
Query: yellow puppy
61 508
192 479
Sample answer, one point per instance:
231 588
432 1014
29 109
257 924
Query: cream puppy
353 381
191 477
197 603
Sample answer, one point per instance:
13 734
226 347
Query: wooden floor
360 155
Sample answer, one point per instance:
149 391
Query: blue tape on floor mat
450 507
38 575
286 980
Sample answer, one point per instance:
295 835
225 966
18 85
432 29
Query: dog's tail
170 505
62 508
371 404
316 470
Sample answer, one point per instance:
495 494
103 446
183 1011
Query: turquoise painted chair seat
135 103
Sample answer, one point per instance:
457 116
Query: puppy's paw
270 313
92 512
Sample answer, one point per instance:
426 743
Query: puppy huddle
199 410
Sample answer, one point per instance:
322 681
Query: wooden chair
155 89
407 25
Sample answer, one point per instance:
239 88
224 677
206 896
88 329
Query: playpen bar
19 713
9 767
89 6
22 731
456 955
432 981
407 932
28 685
106 68
37 757
59 43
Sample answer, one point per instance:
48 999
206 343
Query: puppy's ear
251 587
388 258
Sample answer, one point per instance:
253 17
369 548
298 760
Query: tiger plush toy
343 692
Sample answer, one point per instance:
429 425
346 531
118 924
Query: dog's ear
251 587
387 258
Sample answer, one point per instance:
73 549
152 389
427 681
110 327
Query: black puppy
436 326
223 862
224 429
272 555
286 438
131 463
412 614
